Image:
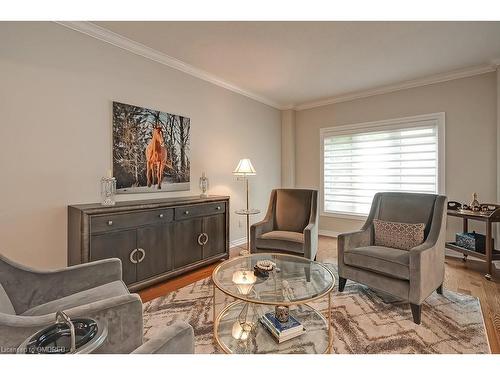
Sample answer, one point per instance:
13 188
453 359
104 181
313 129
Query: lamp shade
244 168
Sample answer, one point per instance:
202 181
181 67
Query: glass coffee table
294 283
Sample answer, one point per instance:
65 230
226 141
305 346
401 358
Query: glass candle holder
204 185
108 191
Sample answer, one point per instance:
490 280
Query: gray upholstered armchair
290 224
411 275
30 298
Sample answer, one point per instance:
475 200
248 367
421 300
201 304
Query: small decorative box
471 241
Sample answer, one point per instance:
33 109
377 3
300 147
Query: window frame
384 125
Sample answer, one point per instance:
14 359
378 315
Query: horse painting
156 158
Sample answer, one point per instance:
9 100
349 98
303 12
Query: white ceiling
292 63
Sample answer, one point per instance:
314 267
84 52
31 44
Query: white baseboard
238 242
328 233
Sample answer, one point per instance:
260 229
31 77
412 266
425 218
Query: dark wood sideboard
155 239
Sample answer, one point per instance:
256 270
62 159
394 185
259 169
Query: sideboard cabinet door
116 245
186 248
153 245
215 228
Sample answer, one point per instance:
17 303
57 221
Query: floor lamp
245 169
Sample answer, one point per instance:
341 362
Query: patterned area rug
363 321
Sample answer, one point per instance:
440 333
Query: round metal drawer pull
143 255
203 241
161 216
110 222
131 257
218 207
186 212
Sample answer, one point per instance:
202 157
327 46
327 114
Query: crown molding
120 41
436 78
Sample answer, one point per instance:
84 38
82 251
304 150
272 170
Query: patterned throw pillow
398 235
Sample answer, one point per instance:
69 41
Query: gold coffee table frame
240 298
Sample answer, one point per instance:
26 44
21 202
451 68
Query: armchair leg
342 282
439 290
416 311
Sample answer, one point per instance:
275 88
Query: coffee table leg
330 338
213 309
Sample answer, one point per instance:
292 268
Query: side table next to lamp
245 169
247 213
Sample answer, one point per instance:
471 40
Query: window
394 155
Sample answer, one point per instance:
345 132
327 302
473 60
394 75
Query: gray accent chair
410 275
30 298
290 225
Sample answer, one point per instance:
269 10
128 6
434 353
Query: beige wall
56 89
470 105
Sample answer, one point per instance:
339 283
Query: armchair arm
258 229
427 259
352 240
264 226
28 287
122 314
311 240
175 339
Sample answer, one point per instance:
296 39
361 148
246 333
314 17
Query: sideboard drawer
107 223
186 212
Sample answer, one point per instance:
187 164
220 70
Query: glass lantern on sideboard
108 190
204 185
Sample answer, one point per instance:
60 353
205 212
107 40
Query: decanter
474 204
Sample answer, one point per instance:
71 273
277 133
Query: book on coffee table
282 331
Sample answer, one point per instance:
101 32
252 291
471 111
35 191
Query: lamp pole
248 218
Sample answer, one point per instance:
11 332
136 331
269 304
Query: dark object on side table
472 241
454 205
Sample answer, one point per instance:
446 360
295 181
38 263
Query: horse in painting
156 158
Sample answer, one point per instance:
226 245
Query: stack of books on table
282 331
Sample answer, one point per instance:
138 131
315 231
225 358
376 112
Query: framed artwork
150 150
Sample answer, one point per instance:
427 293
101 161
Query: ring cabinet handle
142 256
186 212
132 256
161 216
110 222
202 239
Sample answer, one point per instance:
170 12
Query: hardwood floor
462 277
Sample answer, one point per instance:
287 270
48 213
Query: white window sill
339 215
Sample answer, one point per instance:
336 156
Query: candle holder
108 191
204 185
